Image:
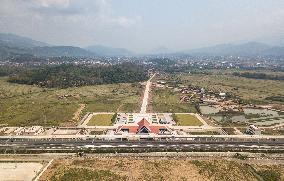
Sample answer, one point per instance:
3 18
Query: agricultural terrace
187 120
59 107
101 120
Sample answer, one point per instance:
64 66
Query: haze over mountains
11 40
246 49
108 51
160 51
11 44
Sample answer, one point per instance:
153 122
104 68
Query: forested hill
69 75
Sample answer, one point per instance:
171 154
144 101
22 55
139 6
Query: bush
269 175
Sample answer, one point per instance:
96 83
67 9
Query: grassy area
270 131
151 168
83 174
101 120
187 120
23 105
222 170
166 100
245 88
99 132
269 174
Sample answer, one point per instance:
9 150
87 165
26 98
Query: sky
143 25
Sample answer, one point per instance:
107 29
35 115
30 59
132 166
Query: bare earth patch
19 170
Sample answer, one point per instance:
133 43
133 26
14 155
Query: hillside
11 40
57 51
14 45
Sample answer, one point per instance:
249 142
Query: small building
253 130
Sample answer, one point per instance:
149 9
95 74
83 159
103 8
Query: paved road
202 143
146 95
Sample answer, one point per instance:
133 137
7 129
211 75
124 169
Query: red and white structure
143 127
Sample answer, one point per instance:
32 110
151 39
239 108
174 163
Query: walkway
146 95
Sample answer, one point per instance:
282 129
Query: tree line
69 75
254 75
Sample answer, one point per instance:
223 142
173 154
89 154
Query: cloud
97 12
49 3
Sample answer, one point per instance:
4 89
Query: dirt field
19 171
158 169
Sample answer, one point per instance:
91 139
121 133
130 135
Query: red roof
141 124
132 129
156 129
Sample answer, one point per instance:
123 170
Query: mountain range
11 40
11 44
246 49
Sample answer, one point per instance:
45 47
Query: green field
166 100
23 105
187 120
254 90
101 120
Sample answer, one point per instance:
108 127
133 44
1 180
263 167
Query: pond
209 109
267 117
269 122
261 111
